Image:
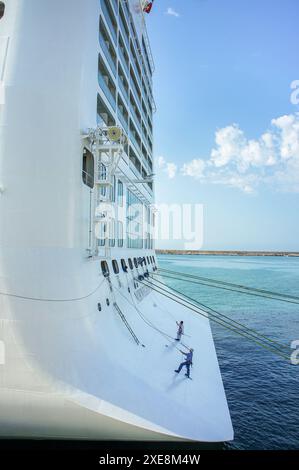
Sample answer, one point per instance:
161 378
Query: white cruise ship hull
70 368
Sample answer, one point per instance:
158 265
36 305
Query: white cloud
170 11
169 168
247 164
161 162
195 168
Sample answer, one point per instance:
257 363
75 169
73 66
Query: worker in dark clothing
180 331
187 362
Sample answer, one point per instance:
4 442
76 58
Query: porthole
130 263
115 266
124 266
108 302
99 307
2 9
135 262
105 268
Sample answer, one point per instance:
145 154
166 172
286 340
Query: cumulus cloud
171 12
169 168
246 164
194 168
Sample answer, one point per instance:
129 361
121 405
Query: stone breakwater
228 253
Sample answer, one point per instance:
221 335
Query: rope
37 299
235 287
218 320
251 331
150 324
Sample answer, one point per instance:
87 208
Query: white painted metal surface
70 370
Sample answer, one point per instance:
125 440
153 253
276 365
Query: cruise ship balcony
107 84
107 47
124 56
137 71
115 6
133 135
124 28
123 114
109 18
124 10
134 88
104 116
135 113
123 85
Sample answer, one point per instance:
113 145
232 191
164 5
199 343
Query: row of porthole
105 269
146 260
100 306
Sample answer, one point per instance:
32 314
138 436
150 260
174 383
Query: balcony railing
134 141
124 63
108 93
136 120
107 54
123 89
138 78
124 33
115 6
108 20
123 120
124 5
135 92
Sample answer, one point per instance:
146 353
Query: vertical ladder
120 313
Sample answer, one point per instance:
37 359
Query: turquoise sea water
262 389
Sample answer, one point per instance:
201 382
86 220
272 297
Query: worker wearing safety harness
180 331
187 362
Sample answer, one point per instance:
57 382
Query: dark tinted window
2 9
130 263
105 268
136 262
88 168
115 266
124 265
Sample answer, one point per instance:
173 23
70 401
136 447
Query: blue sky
226 129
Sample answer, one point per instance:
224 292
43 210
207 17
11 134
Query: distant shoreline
228 253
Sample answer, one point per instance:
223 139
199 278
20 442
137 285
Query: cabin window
130 263
112 233
113 189
102 234
136 262
120 234
148 261
115 266
124 265
2 9
105 268
88 168
120 193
